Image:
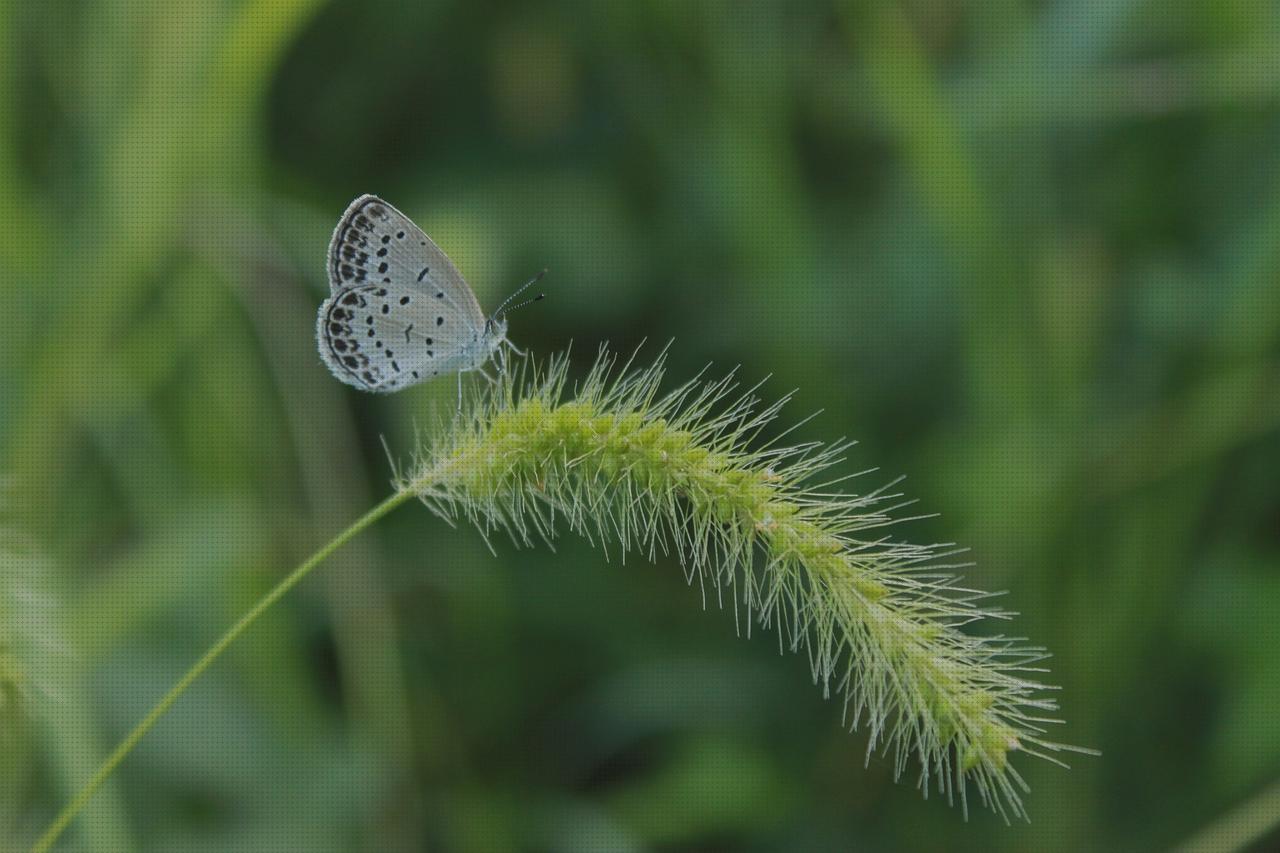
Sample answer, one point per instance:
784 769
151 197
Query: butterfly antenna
502 309
537 298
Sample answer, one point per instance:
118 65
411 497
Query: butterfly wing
376 244
381 339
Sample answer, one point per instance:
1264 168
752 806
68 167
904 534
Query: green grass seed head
681 474
29 629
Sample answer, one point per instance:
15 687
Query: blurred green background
1024 251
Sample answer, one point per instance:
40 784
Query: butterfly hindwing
379 339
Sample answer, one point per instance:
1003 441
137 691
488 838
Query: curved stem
82 797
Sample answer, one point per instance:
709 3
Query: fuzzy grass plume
685 474
29 630
682 474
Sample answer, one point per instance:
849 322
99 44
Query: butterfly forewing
376 244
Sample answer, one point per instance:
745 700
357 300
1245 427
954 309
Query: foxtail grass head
30 631
768 523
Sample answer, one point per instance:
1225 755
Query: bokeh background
1025 252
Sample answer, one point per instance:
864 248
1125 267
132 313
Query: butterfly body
399 312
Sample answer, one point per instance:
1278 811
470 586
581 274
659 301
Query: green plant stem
82 797
1240 828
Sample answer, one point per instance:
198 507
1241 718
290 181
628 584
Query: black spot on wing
355 238
339 336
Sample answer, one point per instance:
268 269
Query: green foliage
32 651
1023 252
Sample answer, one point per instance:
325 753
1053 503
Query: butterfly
399 312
